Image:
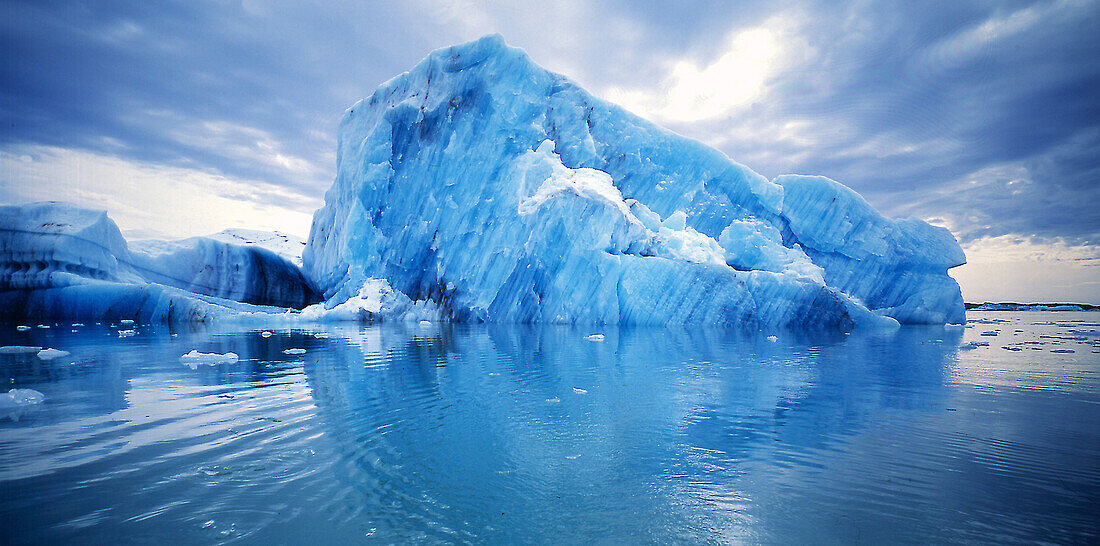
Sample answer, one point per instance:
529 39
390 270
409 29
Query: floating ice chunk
43 325
16 402
579 391
265 333
126 321
594 337
425 323
772 339
194 358
50 354
320 335
126 333
18 349
573 456
78 324
553 400
22 328
294 351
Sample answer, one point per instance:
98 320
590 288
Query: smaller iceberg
17 402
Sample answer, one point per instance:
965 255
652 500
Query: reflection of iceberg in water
672 419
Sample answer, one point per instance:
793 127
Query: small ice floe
51 353
126 333
573 456
594 337
554 400
989 333
194 359
265 333
18 349
125 321
1007 348
425 323
22 328
494 373
320 335
78 324
1062 351
969 346
43 325
772 339
16 402
294 351
579 391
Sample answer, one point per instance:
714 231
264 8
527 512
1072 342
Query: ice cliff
59 261
494 190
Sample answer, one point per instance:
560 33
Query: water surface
449 433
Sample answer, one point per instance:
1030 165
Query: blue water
446 433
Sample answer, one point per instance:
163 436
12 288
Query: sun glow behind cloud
693 92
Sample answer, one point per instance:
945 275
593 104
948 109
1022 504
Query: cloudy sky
186 118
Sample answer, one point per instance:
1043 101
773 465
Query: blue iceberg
488 189
480 187
59 261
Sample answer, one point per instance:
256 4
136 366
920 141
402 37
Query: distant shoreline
1014 306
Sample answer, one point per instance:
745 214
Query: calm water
511 434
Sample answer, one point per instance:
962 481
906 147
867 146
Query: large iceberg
483 186
59 261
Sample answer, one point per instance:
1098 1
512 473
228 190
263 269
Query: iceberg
484 188
59 261
481 187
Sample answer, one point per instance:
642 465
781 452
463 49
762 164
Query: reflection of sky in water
509 434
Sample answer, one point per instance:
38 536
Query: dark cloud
982 115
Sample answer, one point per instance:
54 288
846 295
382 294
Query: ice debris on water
265 333
579 390
772 339
18 349
194 358
22 328
126 321
126 333
16 402
294 351
553 400
594 337
51 353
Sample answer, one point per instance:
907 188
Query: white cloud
149 200
693 91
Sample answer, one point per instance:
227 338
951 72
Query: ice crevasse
484 188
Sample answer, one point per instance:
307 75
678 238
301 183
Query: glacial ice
480 187
194 359
17 402
59 261
486 188
51 353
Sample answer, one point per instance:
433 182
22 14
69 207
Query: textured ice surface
285 245
59 261
244 273
485 187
